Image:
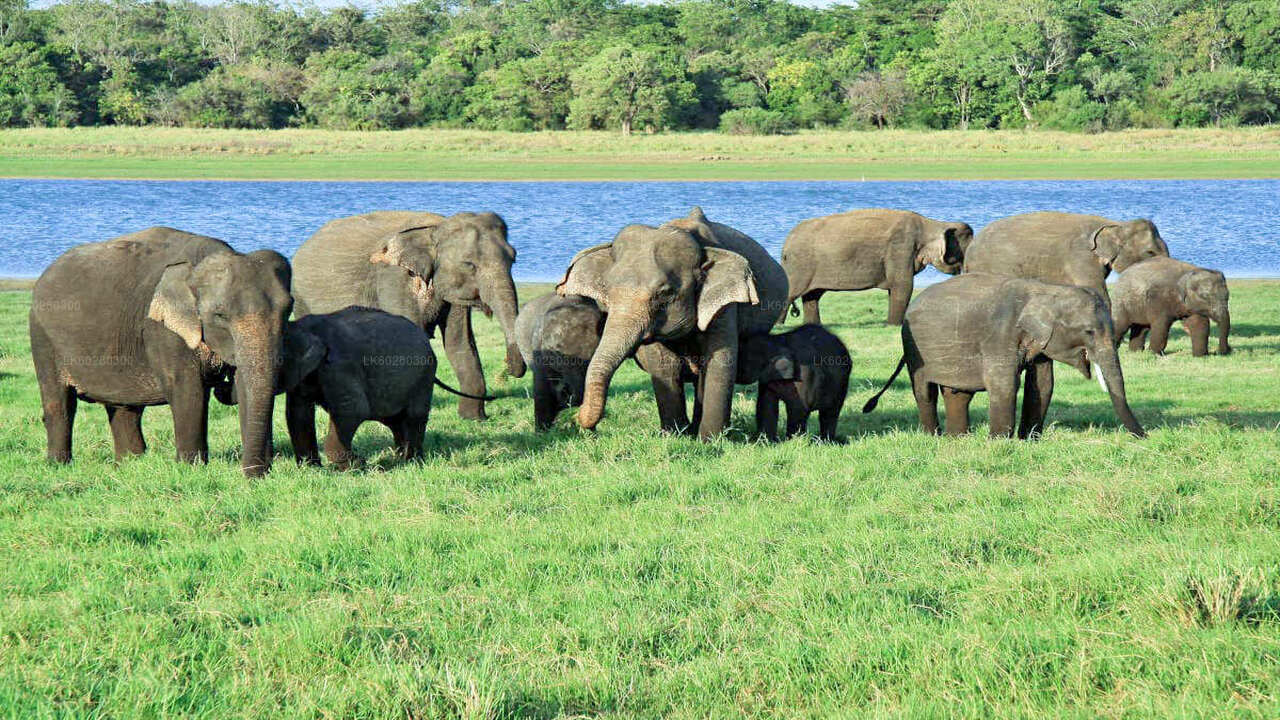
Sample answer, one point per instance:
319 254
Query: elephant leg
413 430
460 348
545 401
811 316
1197 327
767 413
190 404
1160 334
1138 337
337 446
797 421
664 367
926 394
956 403
718 372
57 399
1002 389
1037 391
828 419
300 416
126 429
899 298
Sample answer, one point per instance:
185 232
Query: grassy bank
171 153
628 574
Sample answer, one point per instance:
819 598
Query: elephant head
465 260
766 359
1120 245
943 246
655 283
1073 325
1204 292
234 307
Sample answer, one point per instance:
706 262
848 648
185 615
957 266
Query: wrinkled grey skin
430 269
982 332
359 364
1063 248
676 296
807 368
557 337
1150 295
160 317
865 249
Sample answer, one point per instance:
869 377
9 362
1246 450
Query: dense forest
749 66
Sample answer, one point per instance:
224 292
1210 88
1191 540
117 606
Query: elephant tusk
1102 382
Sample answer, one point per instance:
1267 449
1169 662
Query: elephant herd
166 317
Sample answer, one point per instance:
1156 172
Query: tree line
743 66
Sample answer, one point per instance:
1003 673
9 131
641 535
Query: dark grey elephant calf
557 336
807 368
1152 294
358 364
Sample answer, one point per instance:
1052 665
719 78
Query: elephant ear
1105 243
304 351
585 275
933 251
727 279
1036 321
174 305
412 249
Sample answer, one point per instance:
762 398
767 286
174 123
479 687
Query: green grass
625 573
169 153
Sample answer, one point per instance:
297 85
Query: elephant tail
871 404
459 393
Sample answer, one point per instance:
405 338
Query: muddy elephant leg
956 403
337 446
1197 327
460 348
811 315
664 368
926 394
190 404
57 399
1160 334
126 429
300 417
767 413
1138 337
1037 391
1002 389
899 298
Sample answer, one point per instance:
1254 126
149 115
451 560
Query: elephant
1063 248
160 317
864 249
676 295
430 269
358 364
557 336
981 332
1150 295
810 357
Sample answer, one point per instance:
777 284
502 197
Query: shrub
755 121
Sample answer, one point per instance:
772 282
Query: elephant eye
468 266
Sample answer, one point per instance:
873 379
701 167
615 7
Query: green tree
624 86
30 93
1227 95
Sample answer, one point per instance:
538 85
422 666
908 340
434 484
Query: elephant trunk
1108 364
499 294
623 331
258 354
1223 318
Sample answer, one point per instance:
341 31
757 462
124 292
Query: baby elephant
982 332
811 357
1150 295
557 335
358 364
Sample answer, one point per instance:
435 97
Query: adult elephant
1063 248
864 249
677 296
431 269
160 317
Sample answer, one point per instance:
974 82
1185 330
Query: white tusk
1102 383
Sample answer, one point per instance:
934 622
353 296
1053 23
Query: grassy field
629 574
173 153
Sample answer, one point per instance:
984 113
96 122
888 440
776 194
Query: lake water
1231 225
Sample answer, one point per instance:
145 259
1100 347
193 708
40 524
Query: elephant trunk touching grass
258 342
498 294
628 323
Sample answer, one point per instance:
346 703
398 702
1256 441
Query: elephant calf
557 335
811 357
1149 296
982 332
358 364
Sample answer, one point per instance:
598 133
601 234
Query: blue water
1231 225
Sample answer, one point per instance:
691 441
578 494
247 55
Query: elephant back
332 269
770 278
